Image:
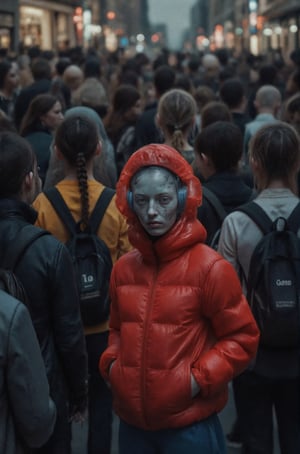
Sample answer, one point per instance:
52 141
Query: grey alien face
155 199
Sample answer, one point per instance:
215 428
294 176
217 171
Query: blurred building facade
258 26
9 17
47 24
199 30
56 24
123 23
280 24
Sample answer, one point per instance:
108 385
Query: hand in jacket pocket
195 388
109 371
111 366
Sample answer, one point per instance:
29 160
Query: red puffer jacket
177 308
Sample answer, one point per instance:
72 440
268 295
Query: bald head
73 77
211 65
210 61
267 97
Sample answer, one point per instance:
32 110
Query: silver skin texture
155 199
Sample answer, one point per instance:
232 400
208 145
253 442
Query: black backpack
90 255
273 287
9 282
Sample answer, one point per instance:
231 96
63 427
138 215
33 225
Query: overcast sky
175 13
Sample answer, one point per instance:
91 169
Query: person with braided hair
77 143
176 118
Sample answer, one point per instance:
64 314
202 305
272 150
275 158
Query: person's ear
28 178
27 184
98 150
207 166
157 121
277 107
254 164
203 157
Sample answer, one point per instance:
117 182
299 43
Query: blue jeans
100 398
204 437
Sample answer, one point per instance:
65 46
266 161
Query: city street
186 114
227 417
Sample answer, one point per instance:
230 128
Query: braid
77 138
83 187
177 140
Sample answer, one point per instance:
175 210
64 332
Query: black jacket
26 95
45 271
40 141
146 130
231 191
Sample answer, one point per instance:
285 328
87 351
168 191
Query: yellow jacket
112 229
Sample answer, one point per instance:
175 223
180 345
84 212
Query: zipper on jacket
145 337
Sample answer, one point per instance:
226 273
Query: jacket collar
187 231
183 235
264 117
12 208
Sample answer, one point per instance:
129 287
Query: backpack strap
214 202
61 208
64 213
258 216
100 208
293 220
26 237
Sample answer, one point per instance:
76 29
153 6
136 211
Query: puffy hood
169 158
163 156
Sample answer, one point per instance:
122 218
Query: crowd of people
183 140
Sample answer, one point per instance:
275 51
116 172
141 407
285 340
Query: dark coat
146 130
40 141
240 120
27 414
45 271
231 191
26 95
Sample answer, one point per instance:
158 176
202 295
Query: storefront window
6 27
5 40
35 27
62 30
293 34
